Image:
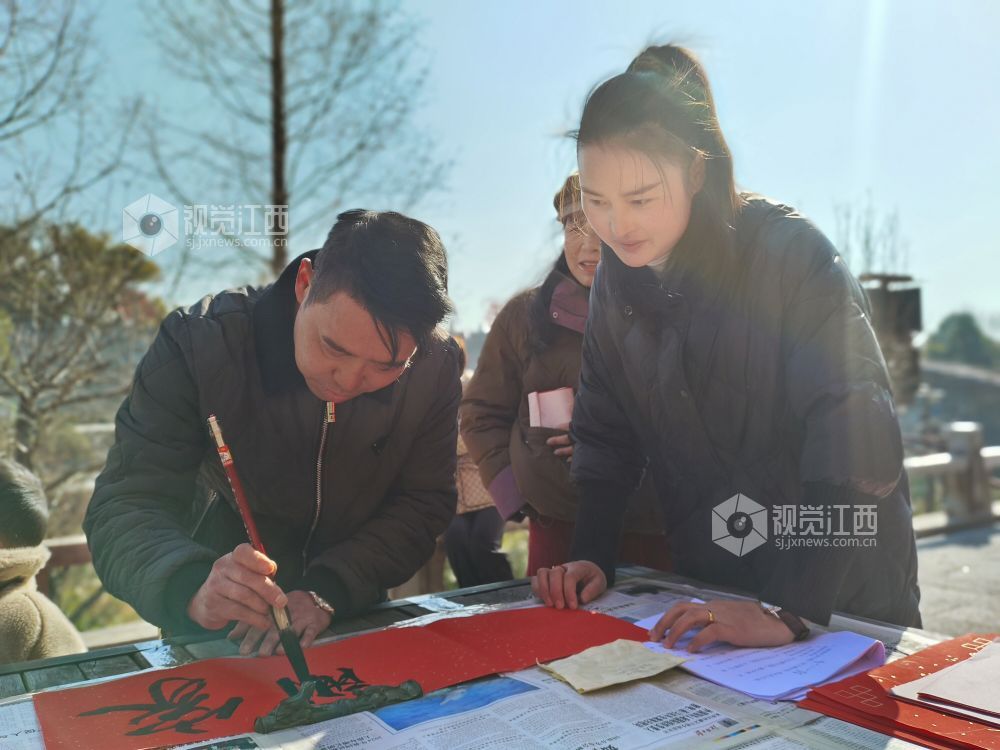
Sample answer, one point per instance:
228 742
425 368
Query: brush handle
226 456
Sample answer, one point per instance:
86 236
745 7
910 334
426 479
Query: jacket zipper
330 415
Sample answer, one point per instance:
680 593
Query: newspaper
531 709
19 728
528 709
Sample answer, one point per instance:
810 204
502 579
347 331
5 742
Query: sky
823 103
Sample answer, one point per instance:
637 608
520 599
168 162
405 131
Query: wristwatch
794 623
322 603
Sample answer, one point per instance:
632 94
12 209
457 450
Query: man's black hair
24 513
393 266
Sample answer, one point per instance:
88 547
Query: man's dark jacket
346 509
754 370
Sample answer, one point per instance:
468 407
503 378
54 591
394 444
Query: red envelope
220 697
864 700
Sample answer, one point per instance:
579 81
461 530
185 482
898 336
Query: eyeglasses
577 223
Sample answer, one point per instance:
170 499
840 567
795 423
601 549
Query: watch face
320 602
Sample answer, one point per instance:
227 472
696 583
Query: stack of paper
780 673
970 689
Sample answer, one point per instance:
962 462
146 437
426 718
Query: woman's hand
562 445
569 585
735 622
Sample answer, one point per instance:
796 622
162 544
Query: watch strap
794 623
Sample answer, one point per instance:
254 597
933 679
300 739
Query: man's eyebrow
630 194
334 345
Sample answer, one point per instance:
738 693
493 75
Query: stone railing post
967 496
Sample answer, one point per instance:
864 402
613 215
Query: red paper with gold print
220 697
864 699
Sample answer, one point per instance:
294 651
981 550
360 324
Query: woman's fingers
540 586
668 619
594 585
705 637
569 585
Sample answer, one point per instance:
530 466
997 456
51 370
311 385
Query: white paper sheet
781 672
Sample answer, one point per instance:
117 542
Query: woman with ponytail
729 355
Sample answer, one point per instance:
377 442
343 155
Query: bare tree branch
323 125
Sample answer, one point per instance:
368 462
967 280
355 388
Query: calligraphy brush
289 640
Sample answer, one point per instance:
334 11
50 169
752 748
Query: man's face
338 348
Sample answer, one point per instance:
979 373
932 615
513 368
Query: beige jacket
31 626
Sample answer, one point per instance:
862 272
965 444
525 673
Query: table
20 679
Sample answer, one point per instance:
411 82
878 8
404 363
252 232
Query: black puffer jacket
752 371
346 508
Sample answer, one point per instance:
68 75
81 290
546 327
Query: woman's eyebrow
629 194
643 189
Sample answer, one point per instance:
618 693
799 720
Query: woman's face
638 207
581 246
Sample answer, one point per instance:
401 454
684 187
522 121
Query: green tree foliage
71 303
960 339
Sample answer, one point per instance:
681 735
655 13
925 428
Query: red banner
220 697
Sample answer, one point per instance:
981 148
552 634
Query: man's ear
696 173
303 279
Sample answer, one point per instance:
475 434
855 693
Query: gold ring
711 616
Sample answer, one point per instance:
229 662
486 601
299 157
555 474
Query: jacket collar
570 304
273 323
19 565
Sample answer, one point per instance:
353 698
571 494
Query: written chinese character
348 683
785 519
196 219
865 520
814 520
178 705
275 219
839 520
223 220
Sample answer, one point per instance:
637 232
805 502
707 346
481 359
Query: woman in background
534 346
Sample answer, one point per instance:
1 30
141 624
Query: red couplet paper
220 697
865 700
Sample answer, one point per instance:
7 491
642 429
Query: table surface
28 677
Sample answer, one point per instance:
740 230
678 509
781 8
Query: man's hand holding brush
239 589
